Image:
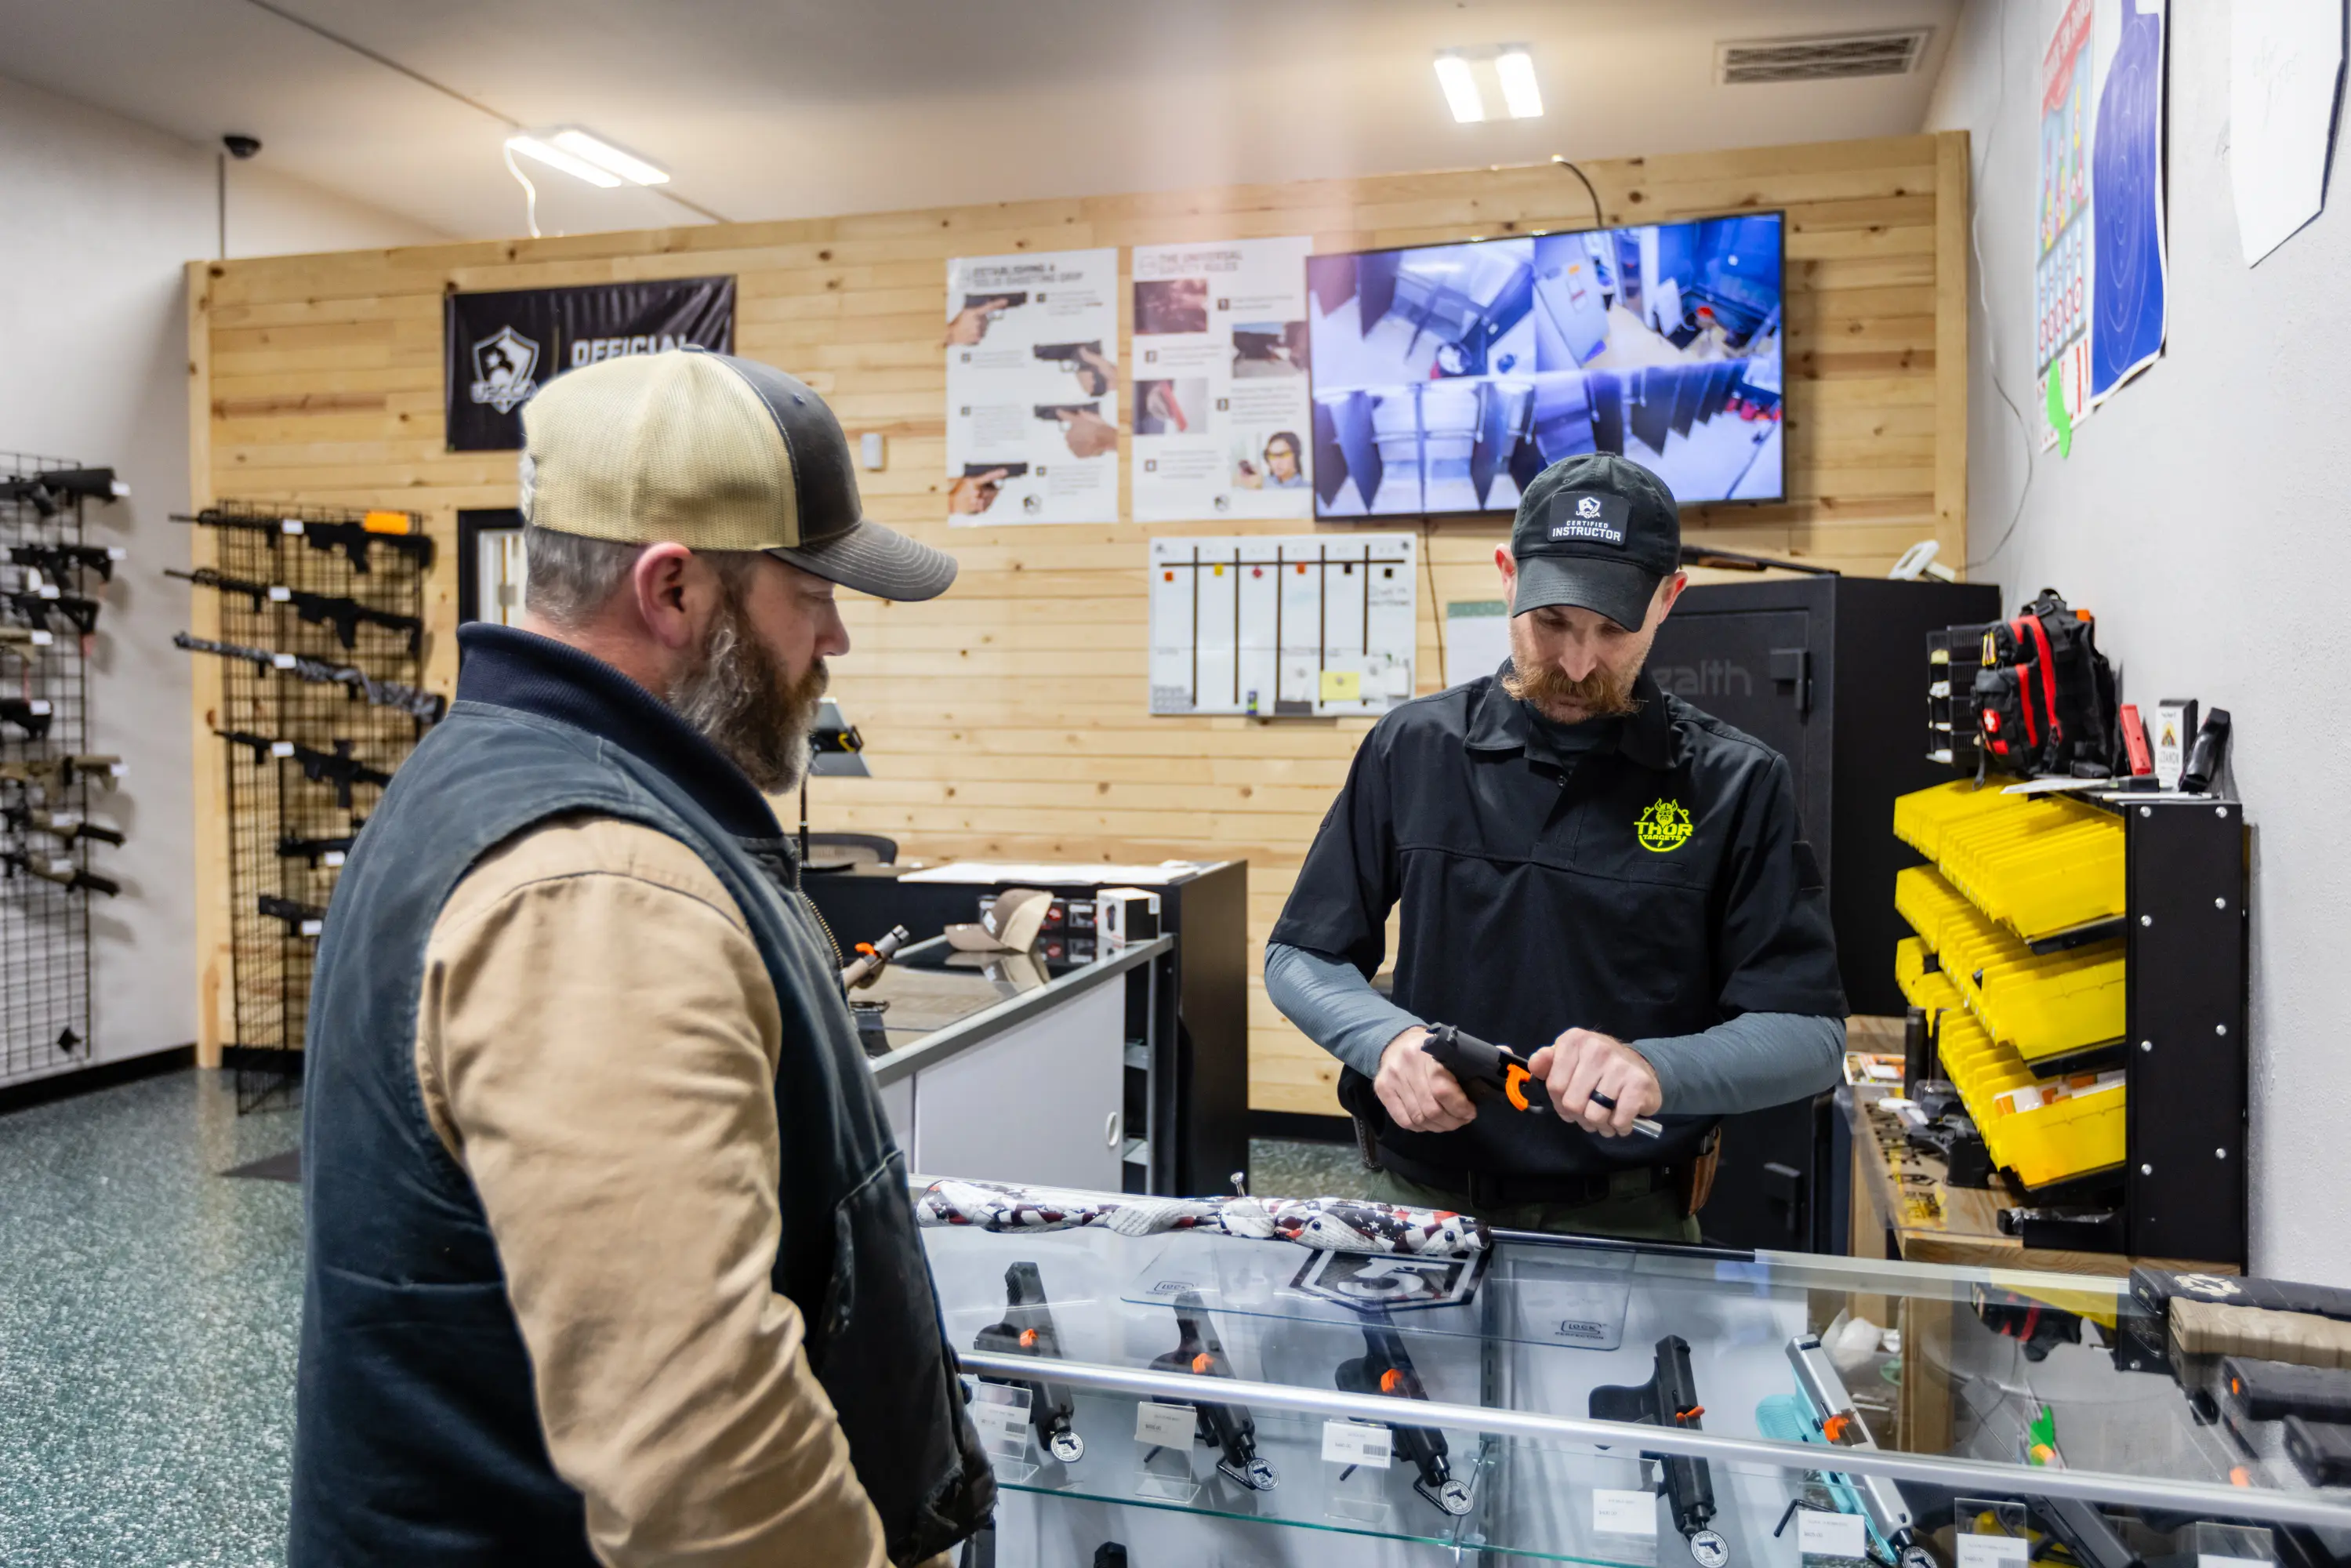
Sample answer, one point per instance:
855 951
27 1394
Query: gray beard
738 699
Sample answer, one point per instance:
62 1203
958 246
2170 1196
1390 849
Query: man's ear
661 581
1507 565
1669 590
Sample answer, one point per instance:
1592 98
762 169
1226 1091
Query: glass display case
1197 1398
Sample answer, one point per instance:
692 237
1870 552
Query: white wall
2200 517
101 214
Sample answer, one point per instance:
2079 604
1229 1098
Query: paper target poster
2126 195
1283 626
1033 388
1222 412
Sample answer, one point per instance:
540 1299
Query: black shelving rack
292 745
46 774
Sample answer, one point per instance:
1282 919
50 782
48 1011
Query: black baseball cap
1597 532
716 453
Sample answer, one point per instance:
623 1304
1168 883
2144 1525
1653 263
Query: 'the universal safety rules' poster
1223 422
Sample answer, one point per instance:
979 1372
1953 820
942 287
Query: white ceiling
768 108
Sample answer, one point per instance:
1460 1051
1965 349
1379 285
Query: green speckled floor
148 1309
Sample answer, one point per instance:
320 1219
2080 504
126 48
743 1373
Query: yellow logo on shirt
1665 825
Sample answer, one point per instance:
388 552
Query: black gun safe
1829 672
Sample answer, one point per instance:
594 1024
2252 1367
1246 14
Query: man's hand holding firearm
1581 1070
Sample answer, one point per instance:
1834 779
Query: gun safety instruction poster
1223 420
1033 388
1283 625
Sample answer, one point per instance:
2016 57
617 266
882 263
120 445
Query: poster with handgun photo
1033 392
1220 386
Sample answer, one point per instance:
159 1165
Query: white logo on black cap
1589 517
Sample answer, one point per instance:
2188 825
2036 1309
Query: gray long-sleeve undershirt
1753 1060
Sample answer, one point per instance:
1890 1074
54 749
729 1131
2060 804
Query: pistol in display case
1385 1368
1228 1429
1670 1399
1027 1330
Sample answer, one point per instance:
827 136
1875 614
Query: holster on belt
1695 1180
1363 1104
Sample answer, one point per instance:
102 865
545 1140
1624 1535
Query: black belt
1486 1190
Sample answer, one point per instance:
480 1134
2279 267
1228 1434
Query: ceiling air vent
1821 58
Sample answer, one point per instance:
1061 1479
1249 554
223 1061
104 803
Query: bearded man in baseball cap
594 1167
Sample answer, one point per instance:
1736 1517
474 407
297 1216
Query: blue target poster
2127 314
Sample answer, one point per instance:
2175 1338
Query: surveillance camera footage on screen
1447 377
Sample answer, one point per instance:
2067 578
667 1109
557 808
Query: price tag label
1618 1513
1000 1425
278 595
1820 1534
331 859
2214 1560
1165 1426
1992 1551
1362 1443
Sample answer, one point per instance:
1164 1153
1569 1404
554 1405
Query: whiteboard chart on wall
1283 626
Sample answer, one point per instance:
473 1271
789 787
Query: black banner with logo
498 348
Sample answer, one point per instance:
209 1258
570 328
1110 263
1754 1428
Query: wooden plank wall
1007 719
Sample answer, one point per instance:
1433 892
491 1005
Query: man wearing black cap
1590 871
610 1256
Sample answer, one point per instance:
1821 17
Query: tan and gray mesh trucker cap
713 453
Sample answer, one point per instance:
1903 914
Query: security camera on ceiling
240 147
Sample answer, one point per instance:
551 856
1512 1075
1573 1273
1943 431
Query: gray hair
569 577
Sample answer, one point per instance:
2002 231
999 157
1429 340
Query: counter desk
1015 1068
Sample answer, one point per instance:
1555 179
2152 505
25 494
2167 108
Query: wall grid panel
1008 718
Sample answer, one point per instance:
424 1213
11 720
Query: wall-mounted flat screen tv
1447 377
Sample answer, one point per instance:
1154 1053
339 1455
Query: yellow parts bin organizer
2011 870
2038 865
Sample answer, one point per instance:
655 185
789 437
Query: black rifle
63 872
394 530
298 916
313 850
58 772
31 714
1227 1428
338 766
315 608
1385 1368
55 558
37 606
1670 1399
50 490
425 708
1027 1330
66 825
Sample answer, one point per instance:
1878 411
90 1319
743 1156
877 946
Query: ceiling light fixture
556 158
1520 95
636 170
1461 94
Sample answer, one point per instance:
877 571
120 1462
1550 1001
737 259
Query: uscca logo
1664 825
1588 508
503 365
